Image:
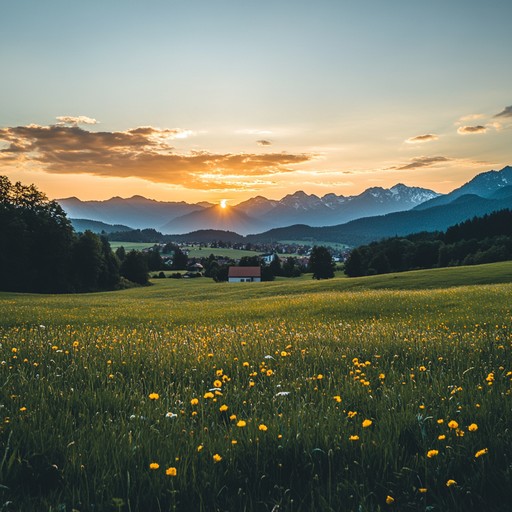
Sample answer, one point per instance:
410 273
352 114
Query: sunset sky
228 99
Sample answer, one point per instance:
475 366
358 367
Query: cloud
507 112
464 130
422 161
76 120
142 152
264 142
422 138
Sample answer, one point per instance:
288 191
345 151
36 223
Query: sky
204 100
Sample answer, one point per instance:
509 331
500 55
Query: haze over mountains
371 215
252 216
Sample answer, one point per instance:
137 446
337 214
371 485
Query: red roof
244 272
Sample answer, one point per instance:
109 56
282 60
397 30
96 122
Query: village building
244 274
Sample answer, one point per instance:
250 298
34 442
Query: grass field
379 393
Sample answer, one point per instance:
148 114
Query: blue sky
240 98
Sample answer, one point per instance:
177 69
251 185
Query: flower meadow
278 397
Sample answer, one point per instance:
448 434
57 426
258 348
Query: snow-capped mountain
484 185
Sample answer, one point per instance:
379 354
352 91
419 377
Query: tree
36 240
87 261
179 259
154 259
121 253
135 268
321 263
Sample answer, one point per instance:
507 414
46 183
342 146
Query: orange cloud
142 152
422 138
422 161
465 130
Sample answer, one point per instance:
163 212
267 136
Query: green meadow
390 392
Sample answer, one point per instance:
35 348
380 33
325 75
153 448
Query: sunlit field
296 395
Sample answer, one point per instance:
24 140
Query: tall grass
255 398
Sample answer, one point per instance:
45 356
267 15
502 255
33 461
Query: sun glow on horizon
223 203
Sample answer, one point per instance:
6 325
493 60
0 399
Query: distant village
276 259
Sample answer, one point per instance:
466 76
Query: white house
244 274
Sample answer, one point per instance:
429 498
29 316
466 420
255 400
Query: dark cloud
422 138
422 161
142 152
264 142
464 130
507 112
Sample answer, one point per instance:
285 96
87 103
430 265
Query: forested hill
483 239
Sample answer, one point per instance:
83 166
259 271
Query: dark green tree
87 262
135 268
179 259
36 240
321 263
121 253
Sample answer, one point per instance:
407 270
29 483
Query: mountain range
252 216
354 220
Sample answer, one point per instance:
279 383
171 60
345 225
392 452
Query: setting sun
223 203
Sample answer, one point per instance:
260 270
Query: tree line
484 239
41 253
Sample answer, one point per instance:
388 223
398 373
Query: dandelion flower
453 424
217 458
351 414
337 398
354 438
389 500
473 427
208 394
223 408
479 453
154 465
241 423
217 383
367 423
199 448
441 437
432 453
154 396
194 401
263 427
450 482
171 472
422 490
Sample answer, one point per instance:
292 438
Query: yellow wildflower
217 458
154 465
367 423
354 438
453 424
337 398
194 401
263 427
473 427
479 453
432 453
223 408
389 500
171 472
450 482
154 396
241 423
